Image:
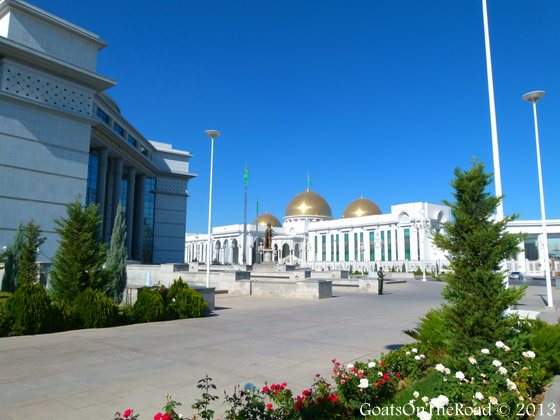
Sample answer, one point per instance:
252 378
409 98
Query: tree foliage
12 256
79 258
31 241
476 244
116 259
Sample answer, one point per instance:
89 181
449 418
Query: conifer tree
12 255
79 258
476 244
116 259
31 241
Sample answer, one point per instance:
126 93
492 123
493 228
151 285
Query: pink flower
343 381
284 385
334 398
127 413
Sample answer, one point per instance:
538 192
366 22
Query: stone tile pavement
90 374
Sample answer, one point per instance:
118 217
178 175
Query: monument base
267 255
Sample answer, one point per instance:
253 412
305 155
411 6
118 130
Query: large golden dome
308 203
266 218
361 207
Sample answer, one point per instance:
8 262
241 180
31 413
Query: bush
29 309
410 360
544 340
184 301
94 309
431 333
149 306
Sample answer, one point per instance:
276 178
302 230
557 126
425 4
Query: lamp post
533 97
213 134
423 244
493 124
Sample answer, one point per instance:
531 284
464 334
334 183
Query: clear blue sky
381 97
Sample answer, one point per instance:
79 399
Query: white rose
479 396
496 363
422 356
500 345
460 375
407 353
511 385
414 350
502 370
349 365
440 367
506 348
424 415
493 400
529 354
447 371
425 399
371 365
364 383
472 360
485 351
415 394
416 357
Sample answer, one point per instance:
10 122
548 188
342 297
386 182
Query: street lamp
533 97
423 245
213 134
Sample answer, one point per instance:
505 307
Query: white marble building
361 239
61 135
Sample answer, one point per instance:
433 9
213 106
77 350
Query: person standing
380 276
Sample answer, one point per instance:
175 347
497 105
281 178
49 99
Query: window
346 247
407 244
149 206
383 246
372 246
337 248
124 188
102 115
389 250
93 167
531 252
118 129
361 246
316 250
397 253
332 247
323 248
132 141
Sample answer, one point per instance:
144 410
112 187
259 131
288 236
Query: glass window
332 247
149 207
118 129
389 250
383 246
337 248
361 246
531 252
102 115
346 247
323 247
397 253
132 141
356 246
124 188
372 246
93 167
554 247
407 244
316 249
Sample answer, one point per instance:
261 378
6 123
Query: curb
550 407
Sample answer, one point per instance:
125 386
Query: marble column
102 186
117 178
139 218
130 209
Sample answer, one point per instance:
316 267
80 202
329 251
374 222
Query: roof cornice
37 59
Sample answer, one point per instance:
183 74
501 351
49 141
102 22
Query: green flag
308 181
246 175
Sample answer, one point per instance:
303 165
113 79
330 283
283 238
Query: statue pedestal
267 255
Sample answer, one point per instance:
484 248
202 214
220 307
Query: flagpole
246 179
257 234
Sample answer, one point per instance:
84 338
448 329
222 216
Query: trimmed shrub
94 309
544 339
29 309
184 301
149 306
431 332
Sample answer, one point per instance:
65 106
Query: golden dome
361 207
266 218
308 203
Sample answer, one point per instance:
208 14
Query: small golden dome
266 218
308 203
361 207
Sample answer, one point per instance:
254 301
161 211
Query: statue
268 237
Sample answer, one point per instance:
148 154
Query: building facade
62 136
362 239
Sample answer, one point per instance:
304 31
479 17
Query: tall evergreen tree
476 244
12 255
79 258
116 259
32 240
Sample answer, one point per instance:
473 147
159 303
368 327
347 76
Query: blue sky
376 97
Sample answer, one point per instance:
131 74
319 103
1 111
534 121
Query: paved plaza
90 374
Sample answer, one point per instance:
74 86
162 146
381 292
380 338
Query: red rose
397 374
306 393
334 398
127 413
166 417
378 386
272 387
265 389
268 406
284 384
275 392
157 416
382 364
334 360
